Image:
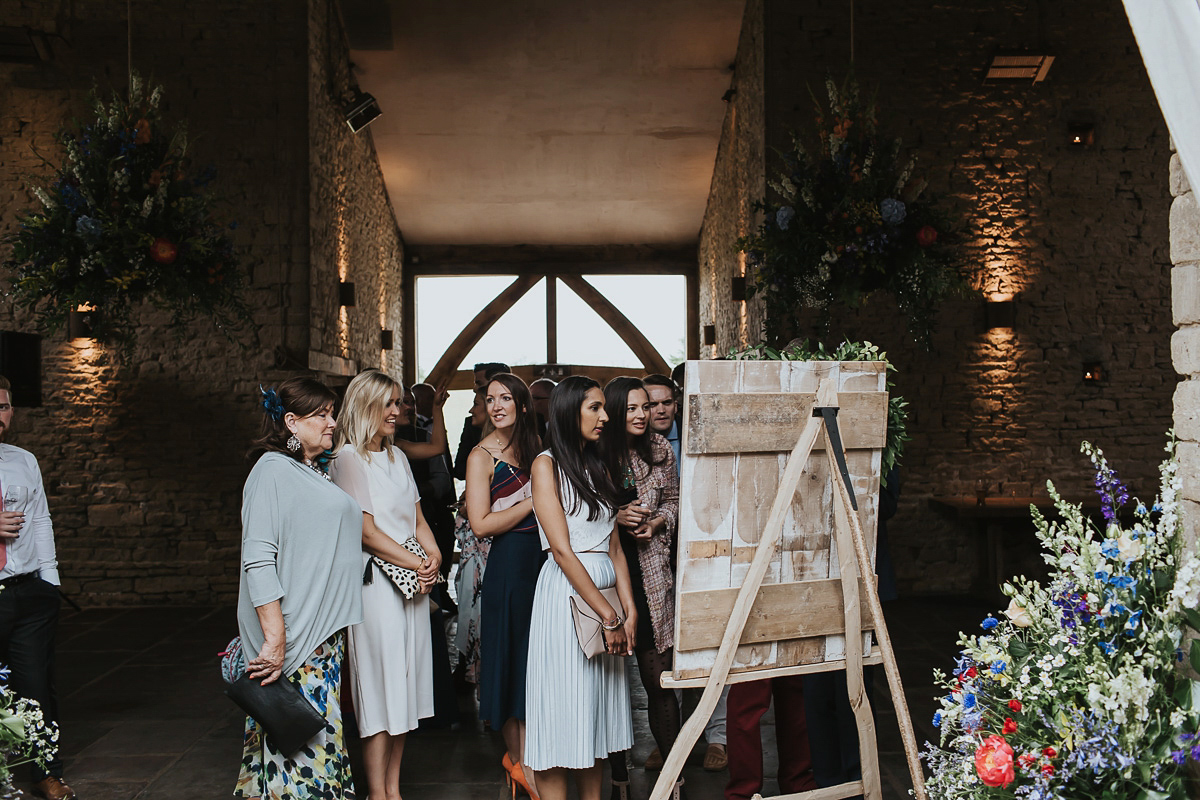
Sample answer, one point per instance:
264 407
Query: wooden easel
850 539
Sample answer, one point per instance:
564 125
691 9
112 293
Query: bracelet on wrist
611 626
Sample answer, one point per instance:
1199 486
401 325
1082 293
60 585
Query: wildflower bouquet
1076 692
851 219
122 222
24 734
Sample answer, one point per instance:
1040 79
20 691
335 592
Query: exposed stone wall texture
1185 344
353 228
143 463
1078 234
738 180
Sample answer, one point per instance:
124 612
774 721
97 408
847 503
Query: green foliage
847 220
123 221
801 350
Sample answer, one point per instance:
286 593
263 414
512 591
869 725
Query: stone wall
739 178
1078 234
1185 344
143 463
353 228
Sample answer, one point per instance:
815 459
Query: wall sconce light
346 294
81 321
1000 311
360 111
710 334
1018 68
737 288
1081 134
387 340
1093 373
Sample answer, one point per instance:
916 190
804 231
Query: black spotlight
361 111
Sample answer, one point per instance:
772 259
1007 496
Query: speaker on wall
21 363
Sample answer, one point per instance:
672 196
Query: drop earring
293 444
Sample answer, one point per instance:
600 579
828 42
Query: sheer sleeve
350 472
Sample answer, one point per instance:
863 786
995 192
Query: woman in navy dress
500 506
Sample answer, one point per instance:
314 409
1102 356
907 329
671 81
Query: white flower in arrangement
148 205
1129 548
1017 614
41 195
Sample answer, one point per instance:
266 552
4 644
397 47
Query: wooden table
990 515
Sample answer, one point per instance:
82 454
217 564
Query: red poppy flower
1009 725
1050 752
1047 769
1014 704
163 251
927 235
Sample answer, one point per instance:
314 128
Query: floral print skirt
320 769
469 586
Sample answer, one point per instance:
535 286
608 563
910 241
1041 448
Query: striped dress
506 605
577 709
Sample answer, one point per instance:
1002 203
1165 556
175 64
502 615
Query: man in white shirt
29 582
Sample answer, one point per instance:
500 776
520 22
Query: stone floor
144 716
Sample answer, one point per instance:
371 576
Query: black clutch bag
280 709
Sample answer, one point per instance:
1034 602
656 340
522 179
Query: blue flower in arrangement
893 211
1109 548
937 719
1122 581
989 623
999 667
1107 647
1101 575
89 227
969 700
784 216
1132 623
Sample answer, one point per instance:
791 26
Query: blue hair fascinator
271 403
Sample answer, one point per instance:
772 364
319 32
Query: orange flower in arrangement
143 132
164 251
994 762
842 128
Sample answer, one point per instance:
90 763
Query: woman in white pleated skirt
577 709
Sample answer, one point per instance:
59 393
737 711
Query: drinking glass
15 497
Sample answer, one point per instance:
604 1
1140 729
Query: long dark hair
615 443
525 442
578 460
300 396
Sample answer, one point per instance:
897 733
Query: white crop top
585 534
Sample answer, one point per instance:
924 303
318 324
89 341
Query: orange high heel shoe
517 774
507 764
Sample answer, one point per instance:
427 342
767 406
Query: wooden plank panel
770 422
774 615
697 678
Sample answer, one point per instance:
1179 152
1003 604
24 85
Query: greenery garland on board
846 220
801 350
123 221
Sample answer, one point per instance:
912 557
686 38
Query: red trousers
747 704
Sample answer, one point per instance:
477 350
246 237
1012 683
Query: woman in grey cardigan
301 586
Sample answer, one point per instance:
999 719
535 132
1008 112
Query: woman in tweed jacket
642 464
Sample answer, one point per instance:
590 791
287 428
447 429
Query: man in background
540 391
471 434
29 598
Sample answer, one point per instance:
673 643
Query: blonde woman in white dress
390 653
577 709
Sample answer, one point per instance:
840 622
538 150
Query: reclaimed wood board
741 419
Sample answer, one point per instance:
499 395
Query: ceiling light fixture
1018 67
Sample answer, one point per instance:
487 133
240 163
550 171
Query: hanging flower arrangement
124 221
1075 691
848 220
